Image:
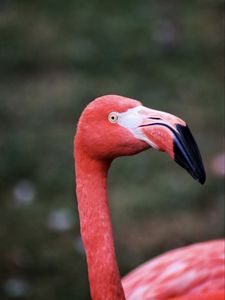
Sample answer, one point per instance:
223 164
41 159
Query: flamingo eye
113 117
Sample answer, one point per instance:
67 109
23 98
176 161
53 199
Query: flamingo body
113 126
192 270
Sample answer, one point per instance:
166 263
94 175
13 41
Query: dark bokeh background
55 57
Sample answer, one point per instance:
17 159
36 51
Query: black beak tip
202 179
186 153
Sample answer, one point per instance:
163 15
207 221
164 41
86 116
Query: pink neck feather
96 229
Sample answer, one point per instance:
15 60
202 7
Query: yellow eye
113 117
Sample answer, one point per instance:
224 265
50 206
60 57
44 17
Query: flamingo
113 126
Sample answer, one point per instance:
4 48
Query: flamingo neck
96 228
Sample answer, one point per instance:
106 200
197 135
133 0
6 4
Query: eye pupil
113 117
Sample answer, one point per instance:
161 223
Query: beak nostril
154 118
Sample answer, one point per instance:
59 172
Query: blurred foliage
57 56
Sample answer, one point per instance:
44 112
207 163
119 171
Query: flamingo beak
168 133
172 135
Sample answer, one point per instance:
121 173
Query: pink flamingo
113 126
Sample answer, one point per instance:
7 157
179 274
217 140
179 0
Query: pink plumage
195 269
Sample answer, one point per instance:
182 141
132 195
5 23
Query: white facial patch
132 119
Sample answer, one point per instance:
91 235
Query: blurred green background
55 57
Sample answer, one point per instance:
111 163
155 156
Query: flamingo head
113 126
